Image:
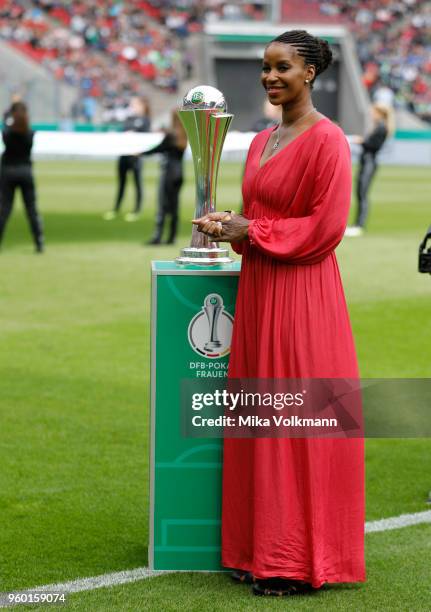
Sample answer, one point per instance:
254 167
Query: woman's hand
223 226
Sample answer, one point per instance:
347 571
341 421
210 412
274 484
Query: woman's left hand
223 227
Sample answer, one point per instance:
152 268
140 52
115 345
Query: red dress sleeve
309 239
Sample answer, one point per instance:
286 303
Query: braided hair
315 51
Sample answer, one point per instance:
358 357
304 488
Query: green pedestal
185 473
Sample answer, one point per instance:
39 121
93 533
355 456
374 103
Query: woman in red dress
293 509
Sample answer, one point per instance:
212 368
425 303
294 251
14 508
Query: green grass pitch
74 380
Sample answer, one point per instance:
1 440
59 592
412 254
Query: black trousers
367 170
19 177
171 180
126 164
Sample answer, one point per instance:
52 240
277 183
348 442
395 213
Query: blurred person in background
271 116
138 120
16 172
89 107
383 95
172 149
383 126
7 117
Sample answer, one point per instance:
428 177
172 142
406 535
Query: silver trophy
206 123
213 306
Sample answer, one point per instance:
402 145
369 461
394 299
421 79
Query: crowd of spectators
103 48
393 39
106 48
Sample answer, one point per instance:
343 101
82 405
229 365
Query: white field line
397 522
140 573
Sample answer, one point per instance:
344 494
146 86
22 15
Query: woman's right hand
211 223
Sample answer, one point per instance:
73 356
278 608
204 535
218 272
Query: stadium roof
264 31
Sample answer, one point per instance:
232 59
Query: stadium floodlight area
233 55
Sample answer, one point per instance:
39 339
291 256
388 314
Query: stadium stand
107 50
393 40
102 48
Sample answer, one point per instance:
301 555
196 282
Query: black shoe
39 249
154 240
281 587
242 576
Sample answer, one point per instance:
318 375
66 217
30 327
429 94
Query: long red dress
294 508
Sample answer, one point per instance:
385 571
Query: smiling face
284 73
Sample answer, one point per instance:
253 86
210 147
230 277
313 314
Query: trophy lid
204 97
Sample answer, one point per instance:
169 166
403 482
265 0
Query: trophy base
203 257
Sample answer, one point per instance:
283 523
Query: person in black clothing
371 145
7 116
271 117
16 172
172 148
138 121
